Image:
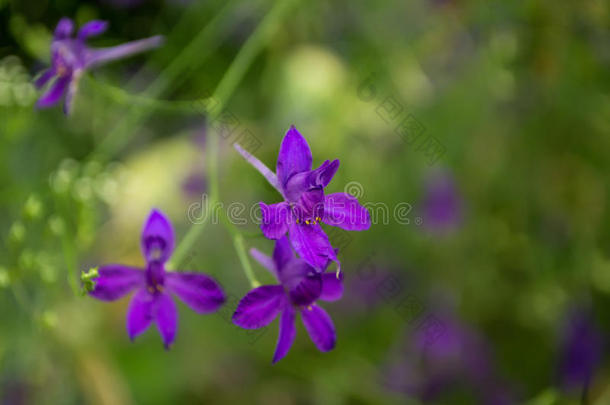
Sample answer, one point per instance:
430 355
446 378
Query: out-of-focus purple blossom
300 286
195 184
155 288
305 204
443 354
442 204
71 57
580 351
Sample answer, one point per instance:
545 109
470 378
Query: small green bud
48 273
5 278
49 319
17 232
57 225
87 280
27 259
33 207
83 189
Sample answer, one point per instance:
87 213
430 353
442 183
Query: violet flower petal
200 292
282 253
320 327
332 287
259 307
325 173
265 261
305 181
157 237
311 243
287 333
139 313
303 284
310 206
92 28
44 77
54 93
307 291
64 28
115 281
344 211
260 167
275 219
294 157
167 318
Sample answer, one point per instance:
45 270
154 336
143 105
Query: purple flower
298 289
70 57
152 300
443 354
581 352
442 204
305 204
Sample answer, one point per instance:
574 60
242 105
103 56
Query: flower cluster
304 280
294 223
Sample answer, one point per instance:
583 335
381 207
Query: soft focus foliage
509 101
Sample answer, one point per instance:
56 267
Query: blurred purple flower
70 57
152 300
305 203
298 289
442 205
442 354
195 184
580 351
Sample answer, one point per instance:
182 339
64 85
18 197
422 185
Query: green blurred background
516 95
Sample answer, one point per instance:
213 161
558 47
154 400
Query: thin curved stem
201 46
223 92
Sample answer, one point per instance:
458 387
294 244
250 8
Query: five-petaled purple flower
154 286
300 286
70 57
305 204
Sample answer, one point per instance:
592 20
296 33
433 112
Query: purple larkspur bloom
305 205
71 57
154 286
580 352
300 286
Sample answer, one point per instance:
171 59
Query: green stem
238 242
224 90
120 96
240 248
200 47
191 236
21 297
